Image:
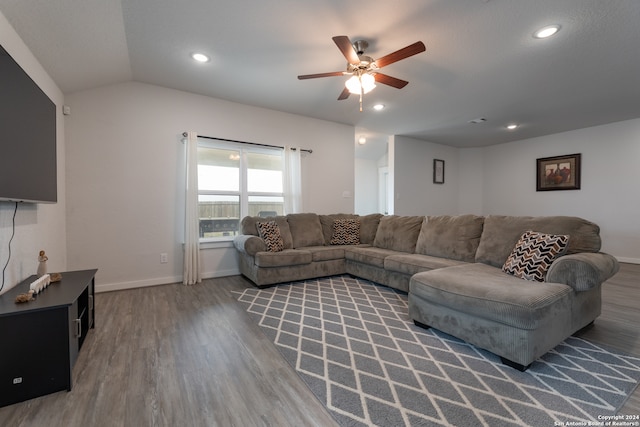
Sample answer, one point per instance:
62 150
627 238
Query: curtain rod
184 134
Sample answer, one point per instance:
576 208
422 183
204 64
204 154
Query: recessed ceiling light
547 31
362 140
200 57
378 107
512 126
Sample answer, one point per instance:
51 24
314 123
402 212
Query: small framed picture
438 171
558 173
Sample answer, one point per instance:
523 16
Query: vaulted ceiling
481 58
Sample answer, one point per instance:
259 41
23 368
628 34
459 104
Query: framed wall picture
438 171
558 173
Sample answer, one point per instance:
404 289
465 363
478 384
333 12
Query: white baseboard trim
628 260
220 273
109 287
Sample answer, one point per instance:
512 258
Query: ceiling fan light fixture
364 69
360 84
353 84
368 82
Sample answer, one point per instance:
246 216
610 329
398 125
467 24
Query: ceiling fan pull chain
361 90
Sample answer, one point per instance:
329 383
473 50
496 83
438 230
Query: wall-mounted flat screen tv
27 137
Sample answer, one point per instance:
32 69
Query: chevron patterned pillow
270 233
346 232
533 255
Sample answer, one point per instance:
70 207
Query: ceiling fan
364 69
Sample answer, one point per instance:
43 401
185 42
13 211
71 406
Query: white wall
609 194
366 186
124 175
38 226
415 192
471 176
501 180
124 167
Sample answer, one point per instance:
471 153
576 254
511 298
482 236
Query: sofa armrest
583 271
249 244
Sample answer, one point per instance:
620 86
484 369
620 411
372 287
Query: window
236 180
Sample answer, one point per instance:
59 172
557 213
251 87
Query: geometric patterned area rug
355 346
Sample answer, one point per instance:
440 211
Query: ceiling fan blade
403 53
390 81
315 76
345 46
344 94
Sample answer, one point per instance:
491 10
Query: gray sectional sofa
452 269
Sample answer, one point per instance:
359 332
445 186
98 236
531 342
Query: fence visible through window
222 219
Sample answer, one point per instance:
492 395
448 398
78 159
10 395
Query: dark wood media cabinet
41 339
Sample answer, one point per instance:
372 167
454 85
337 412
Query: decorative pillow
270 233
533 255
327 224
346 232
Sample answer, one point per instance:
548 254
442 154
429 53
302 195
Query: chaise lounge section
517 319
470 276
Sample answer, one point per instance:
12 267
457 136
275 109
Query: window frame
243 194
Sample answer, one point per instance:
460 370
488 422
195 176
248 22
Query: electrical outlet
17 380
164 258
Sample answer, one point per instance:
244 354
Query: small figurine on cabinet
42 264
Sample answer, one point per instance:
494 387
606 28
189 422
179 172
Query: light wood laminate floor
178 355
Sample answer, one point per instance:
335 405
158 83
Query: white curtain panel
191 274
292 181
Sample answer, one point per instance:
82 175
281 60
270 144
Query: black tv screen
27 137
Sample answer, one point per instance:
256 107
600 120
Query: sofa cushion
248 226
369 255
487 292
452 237
533 254
501 233
411 264
346 232
270 233
325 253
285 258
306 229
398 233
369 227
